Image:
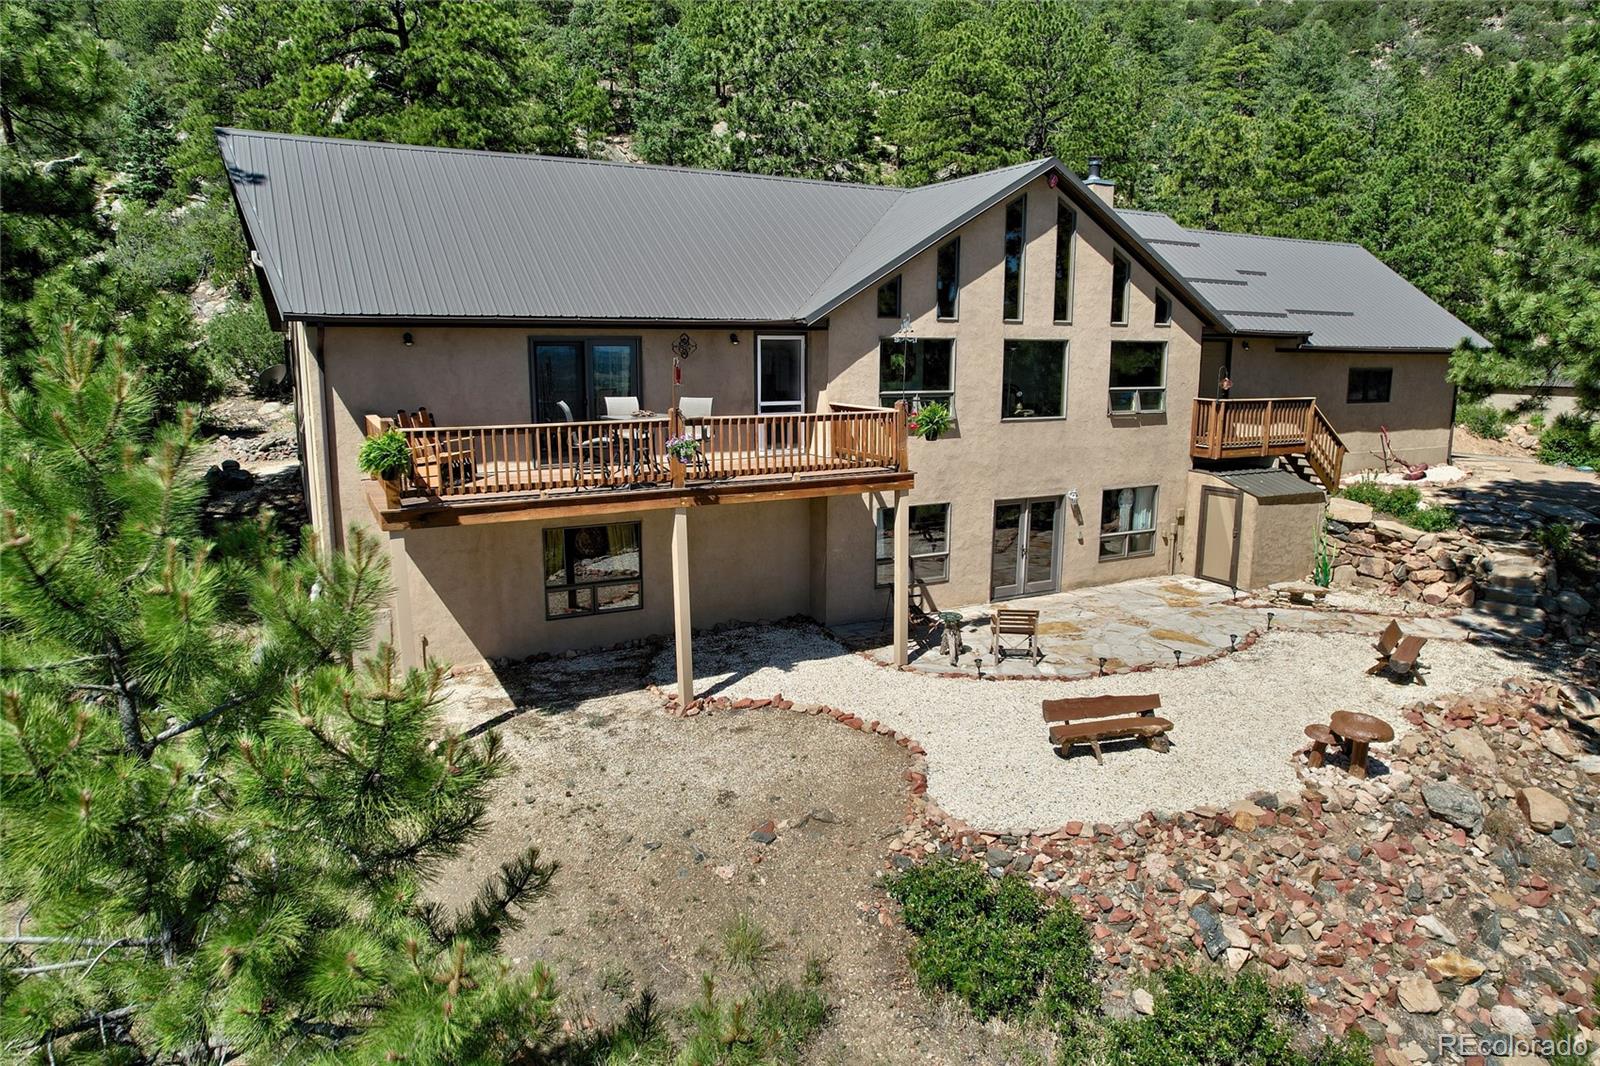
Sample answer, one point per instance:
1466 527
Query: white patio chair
693 408
621 406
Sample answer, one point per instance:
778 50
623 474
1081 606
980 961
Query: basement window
930 544
592 570
1127 522
1369 384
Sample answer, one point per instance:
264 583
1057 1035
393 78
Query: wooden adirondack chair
1090 720
1397 653
1013 622
436 460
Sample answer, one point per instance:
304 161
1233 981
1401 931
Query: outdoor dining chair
693 408
621 406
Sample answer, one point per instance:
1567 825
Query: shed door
1220 511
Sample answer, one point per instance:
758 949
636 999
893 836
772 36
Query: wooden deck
1289 426
468 474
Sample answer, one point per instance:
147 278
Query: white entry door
781 390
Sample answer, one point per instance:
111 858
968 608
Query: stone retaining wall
1439 569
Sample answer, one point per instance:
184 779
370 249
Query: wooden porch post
902 577
682 632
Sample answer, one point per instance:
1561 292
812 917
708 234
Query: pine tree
218 821
145 143
1542 306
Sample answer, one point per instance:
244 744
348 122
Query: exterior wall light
406 339
733 338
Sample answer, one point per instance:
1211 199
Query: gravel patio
1236 721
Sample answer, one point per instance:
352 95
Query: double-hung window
1138 377
592 570
947 279
916 371
1127 522
1034 380
1016 231
930 544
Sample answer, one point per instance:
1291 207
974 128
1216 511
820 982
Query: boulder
1572 603
1388 529
1436 593
1509 1019
1349 512
1543 811
1418 995
1471 746
1454 804
1143 1001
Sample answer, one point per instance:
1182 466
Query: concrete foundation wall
1552 402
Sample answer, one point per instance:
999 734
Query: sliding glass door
580 373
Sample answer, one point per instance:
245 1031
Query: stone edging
1248 640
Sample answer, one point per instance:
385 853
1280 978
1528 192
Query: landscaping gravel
1236 721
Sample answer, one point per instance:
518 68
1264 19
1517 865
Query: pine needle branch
194 723
491 913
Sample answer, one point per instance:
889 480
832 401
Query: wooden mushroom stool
1321 736
1357 731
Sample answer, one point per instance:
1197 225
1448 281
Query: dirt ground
651 818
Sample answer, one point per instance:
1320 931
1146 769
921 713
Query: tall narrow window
1066 230
947 282
1163 309
1119 290
1016 228
889 298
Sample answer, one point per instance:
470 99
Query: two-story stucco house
642 398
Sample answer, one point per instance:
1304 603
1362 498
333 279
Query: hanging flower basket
684 449
929 420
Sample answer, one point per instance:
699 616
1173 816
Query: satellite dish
270 379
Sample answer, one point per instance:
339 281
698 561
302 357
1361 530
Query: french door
581 372
1023 560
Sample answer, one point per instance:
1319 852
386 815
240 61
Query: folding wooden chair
1013 622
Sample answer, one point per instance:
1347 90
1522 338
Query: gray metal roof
361 230
1338 296
1271 483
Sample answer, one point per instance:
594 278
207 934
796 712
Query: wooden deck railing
1236 429
461 462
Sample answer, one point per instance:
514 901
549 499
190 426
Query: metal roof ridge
898 190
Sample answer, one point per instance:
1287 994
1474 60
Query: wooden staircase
1291 428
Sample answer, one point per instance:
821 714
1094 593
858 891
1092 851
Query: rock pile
1453 892
1438 569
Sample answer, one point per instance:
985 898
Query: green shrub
1483 420
998 946
240 345
1571 439
386 456
1204 1018
1403 503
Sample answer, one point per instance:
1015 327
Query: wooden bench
1089 720
1013 622
1397 653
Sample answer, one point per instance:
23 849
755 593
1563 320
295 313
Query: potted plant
386 457
685 449
929 420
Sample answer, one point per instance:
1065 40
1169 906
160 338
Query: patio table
1356 731
642 458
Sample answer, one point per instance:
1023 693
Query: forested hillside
1420 129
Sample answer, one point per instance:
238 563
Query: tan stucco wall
1421 402
985 460
476 591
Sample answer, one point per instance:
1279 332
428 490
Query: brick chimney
1103 187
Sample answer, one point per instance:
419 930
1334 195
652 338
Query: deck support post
682 630
902 577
